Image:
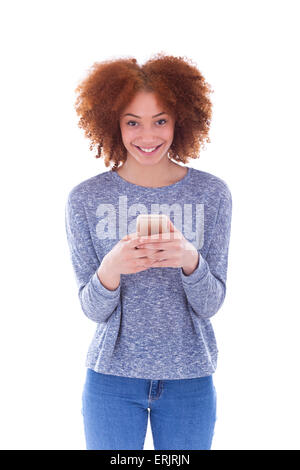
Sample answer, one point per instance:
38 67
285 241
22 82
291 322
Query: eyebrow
139 117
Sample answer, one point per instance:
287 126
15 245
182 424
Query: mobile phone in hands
151 224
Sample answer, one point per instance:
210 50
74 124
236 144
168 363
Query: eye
136 122
162 120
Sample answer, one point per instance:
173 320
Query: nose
148 138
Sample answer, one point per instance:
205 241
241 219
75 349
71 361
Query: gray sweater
156 324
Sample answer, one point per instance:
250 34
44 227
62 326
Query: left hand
170 250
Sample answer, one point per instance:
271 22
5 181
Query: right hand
126 258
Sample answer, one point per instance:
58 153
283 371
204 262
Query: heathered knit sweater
156 324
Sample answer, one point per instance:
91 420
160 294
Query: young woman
154 347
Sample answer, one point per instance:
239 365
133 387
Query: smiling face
145 125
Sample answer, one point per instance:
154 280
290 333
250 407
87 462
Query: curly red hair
111 85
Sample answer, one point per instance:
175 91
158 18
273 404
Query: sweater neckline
126 184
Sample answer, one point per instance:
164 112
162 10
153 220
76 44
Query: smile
147 152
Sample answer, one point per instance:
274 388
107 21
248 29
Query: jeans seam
161 388
149 394
143 443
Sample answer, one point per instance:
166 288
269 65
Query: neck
160 174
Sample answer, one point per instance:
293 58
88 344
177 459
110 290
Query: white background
247 51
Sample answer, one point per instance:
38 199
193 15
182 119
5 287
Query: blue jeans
115 412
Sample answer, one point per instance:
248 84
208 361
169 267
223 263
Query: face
145 125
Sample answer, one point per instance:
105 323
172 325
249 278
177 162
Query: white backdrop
247 51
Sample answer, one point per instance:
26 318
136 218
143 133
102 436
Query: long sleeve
205 288
97 302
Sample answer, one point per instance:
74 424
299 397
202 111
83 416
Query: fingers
161 237
145 253
131 237
144 262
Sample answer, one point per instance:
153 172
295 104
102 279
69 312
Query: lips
148 153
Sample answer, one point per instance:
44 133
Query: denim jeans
115 412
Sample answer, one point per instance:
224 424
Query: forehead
142 102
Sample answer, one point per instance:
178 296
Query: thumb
171 226
173 229
131 236
127 237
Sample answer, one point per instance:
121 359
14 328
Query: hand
170 250
125 258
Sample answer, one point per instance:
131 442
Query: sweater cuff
100 289
200 272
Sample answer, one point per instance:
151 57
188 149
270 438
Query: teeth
148 150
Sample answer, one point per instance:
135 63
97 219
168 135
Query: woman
154 347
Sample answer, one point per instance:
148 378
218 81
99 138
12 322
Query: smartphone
151 224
